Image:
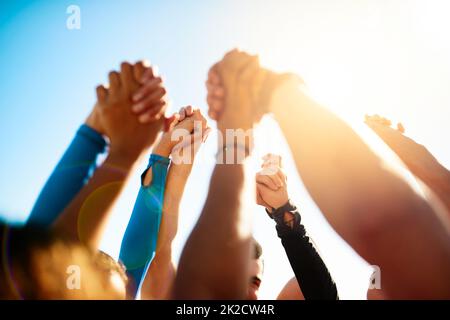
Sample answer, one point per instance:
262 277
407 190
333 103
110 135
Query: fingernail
137 96
138 107
143 118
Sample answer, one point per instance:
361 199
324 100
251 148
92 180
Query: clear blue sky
358 56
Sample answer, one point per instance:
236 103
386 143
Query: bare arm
415 156
161 273
87 214
218 249
375 211
215 259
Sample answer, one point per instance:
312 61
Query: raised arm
311 272
369 206
71 173
161 273
415 156
140 239
218 250
87 214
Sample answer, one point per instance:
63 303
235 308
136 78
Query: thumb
170 122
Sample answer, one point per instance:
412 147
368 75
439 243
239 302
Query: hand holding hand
187 130
233 90
271 186
129 137
262 87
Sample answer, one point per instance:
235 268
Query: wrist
93 121
163 150
279 212
284 86
234 152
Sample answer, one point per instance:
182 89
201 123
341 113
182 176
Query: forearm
420 162
218 249
161 273
86 216
140 238
311 272
367 205
69 176
331 159
160 276
176 182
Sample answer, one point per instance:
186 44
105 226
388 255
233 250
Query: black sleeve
311 272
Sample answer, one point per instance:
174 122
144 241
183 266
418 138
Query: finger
213 115
182 113
139 69
147 103
263 189
153 114
200 122
276 180
171 122
249 70
260 200
267 156
189 111
126 74
114 81
231 53
386 122
148 74
271 160
369 118
102 93
213 75
166 126
234 61
186 124
282 177
400 127
147 88
160 110
264 179
215 104
215 90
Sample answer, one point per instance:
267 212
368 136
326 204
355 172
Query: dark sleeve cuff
162 163
284 230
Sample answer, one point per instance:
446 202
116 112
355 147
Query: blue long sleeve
139 242
70 175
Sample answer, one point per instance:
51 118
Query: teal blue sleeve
139 241
70 175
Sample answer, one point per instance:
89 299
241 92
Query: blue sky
358 56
